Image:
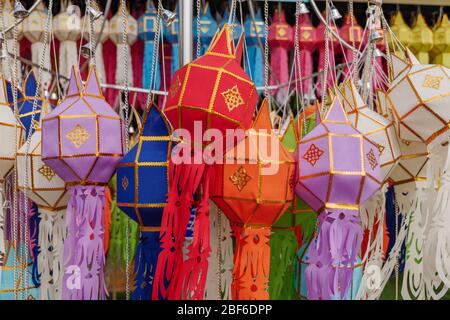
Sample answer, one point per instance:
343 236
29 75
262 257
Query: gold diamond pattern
433 82
78 136
240 178
232 98
281 31
125 183
313 154
372 159
47 172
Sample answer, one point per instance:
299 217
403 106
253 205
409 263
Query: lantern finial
222 41
262 120
240 48
74 87
92 86
336 112
411 57
156 123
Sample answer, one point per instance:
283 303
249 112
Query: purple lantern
338 169
82 141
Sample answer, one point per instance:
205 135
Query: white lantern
67 29
115 34
33 29
378 129
8 20
45 188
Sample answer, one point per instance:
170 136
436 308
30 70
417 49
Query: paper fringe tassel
52 232
120 66
84 255
67 58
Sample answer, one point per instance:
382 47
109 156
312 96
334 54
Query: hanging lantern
171 34
442 42
208 28
307 41
421 39
116 35
89 143
48 191
281 39
67 29
255 38
146 162
34 31
212 92
147 27
335 184
235 26
401 30
100 37
9 43
251 201
350 34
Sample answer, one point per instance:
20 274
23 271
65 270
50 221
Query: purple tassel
84 254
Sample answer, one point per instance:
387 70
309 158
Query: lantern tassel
255 57
84 255
67 59
175 58
145 265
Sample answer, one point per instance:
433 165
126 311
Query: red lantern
307 41
212 92
351 34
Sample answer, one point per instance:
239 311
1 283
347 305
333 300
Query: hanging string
266 52
199 45
325 68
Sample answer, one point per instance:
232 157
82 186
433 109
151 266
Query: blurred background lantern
352 33
147 29
421 39
208 28
48 191
171 34
89 144
400 29
281 39
253 202
441 41
235 25
254 36
322 171
143 185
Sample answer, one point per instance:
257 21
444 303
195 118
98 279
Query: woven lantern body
378 129
80 128
441 46
34 24
417 96
251 202
143 184
116 28
213 90
67 25
401 30
421 39
10 131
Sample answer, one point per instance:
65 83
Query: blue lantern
237 28
142 187
147 31
171 35
253 32
208 28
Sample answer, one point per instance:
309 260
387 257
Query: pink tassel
279 64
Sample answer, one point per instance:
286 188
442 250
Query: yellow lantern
442 42
401 30
421 40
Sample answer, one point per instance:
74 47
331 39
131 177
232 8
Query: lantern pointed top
92 86
30 84
398 65
222 42
336 112
150 8
155 123
318 115
411 57
240 48
279 16
75 84
398 19
354 97
262 120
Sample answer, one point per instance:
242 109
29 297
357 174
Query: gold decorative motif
125 183
406 142
281 30
433 82
372 159
232 98
47 172
306 35
175 87
240 178
313 154
380 149
78 136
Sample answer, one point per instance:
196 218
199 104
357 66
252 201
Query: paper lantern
421 39
335 184
116 35
7 63
143 176
147 25
351 34
33 30
211 92
401 30
281 38
249 198
441 40
48 191
82 142
67 29
375 127
254 36
307 42
208 28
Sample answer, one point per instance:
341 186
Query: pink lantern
307 40
338 169
82 142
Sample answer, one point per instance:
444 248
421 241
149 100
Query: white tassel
36 52
120 66
67 59
52 232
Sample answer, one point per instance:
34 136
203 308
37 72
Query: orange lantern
254 199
